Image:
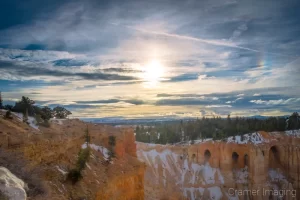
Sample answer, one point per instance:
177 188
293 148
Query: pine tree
1 101
87 136
111 143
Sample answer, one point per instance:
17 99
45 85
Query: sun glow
153 73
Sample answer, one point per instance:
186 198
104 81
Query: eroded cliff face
42 158
264 163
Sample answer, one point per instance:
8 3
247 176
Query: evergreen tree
87 136
46 113
25 106
74 175
216 128
8 107
111 143
294 121
1 101
61 112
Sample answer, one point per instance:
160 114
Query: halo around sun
153 72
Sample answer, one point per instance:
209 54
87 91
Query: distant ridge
151 120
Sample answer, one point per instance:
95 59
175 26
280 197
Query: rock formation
11 186
253 166
42 158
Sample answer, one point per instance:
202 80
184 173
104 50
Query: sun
153 73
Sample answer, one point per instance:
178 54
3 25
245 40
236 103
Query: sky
158 58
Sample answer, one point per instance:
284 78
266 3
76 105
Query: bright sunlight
153 73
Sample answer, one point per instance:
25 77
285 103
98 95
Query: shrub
112 140
8 107
83 157
45 124
74 175
112 144
38 119
111 154
8 115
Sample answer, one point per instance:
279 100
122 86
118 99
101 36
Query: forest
216 128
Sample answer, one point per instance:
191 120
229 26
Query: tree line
216 128
28 108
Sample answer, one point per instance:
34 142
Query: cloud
218 106
184 37
183 77
113 101
69 62
73 51
105 101
238 32
12 69
183 101
276 102
121 70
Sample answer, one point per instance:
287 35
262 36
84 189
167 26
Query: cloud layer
215 57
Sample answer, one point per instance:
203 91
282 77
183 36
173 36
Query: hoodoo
259 168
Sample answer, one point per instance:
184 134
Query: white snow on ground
31 120
255 138
57 121
195 141
295 133
232 196
241 175
101 149
183 172
215 193
202 141
88 166
170 162
192 192
276 176
166 157
61 170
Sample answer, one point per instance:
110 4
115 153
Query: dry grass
3 196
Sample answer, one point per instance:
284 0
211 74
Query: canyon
35 161
256 166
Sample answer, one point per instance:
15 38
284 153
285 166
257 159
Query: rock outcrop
262 162
11 186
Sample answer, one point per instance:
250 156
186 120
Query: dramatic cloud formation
164 58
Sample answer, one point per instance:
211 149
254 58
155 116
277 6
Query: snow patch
167 165
241 175
31 120
294 133
88 166
193 193
101 149
215 193
232 196
61 170
255 138
275 175
57 121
